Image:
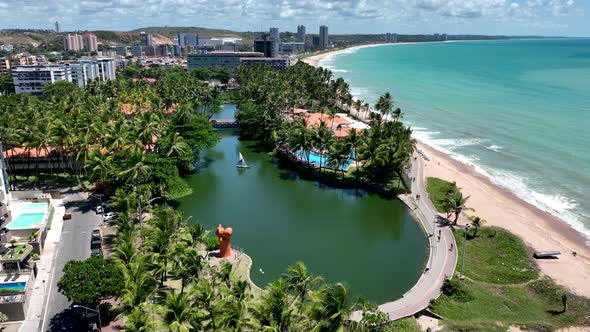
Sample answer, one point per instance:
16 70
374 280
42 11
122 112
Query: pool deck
441 260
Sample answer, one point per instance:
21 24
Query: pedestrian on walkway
451 247
439 233
438 238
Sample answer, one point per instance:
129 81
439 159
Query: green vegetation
446 197
87 281
113 134
501 289
15 251
6 85
266 95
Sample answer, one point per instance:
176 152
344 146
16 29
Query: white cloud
251 14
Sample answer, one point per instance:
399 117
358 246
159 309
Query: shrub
456 290
212 243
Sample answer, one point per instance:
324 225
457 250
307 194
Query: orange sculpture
224 235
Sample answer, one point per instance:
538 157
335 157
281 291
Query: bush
212 243
456 290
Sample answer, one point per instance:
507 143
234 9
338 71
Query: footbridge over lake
224 123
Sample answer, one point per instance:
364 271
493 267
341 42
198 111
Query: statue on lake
224 235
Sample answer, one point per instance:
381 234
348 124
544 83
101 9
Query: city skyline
490 17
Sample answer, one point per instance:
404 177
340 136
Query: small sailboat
242 162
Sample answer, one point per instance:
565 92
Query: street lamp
461 275
86 313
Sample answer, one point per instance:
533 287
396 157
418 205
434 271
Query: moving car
67 216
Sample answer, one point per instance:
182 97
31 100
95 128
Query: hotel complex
32 79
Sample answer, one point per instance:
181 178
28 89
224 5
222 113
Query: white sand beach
538 229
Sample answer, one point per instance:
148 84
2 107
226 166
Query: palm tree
299 280
177 312
138 321
206 298
354 141
454 203
476 222
339 156
188 266
274 311
330 308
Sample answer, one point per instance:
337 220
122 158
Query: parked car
94 243
67 216
95 235
108 216
98 209
96 252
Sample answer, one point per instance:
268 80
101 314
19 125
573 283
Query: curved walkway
441 261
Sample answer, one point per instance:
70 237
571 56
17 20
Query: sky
491 17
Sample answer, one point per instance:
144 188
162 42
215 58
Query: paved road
74 245
441 262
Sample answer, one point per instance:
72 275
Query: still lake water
370 243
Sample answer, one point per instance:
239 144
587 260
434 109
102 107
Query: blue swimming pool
26 220
16 286
35 207
315 158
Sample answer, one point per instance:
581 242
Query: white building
92 70
228 60
275 63
32 79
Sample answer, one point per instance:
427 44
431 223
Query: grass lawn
495 256
437 189
406 325
503 288
16 252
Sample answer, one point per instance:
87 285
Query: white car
98 209
109 216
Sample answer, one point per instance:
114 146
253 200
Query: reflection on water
368 242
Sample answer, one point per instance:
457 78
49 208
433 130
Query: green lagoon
368 242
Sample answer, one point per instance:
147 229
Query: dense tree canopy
86 281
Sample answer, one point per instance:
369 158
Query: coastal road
441 262
74 244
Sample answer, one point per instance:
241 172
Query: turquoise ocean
518 111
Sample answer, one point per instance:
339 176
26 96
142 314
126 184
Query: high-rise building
275 35
323 36
73 42
266 45
391 37
149 50
121 50
90 42
146 39
188 39
57 27
162 50
135 50
301 33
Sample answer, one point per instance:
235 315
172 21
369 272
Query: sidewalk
38 298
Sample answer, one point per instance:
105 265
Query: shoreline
502 208
315 60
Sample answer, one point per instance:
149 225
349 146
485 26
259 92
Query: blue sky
513 17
